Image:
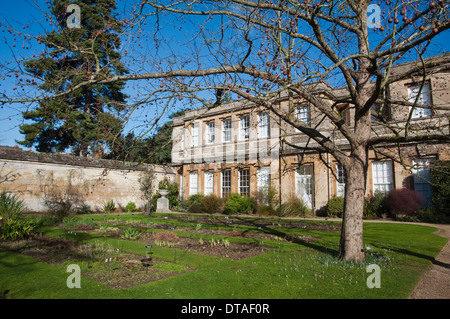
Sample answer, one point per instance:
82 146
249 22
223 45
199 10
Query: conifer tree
88 118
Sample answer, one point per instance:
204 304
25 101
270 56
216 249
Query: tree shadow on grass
290 238
415 254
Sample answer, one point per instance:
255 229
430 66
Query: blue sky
24 12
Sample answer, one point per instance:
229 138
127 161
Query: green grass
289 270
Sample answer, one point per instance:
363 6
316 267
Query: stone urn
163 192
162 204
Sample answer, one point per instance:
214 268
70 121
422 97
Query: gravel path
435 284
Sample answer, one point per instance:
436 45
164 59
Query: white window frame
304 184
340 181
181 186
424 99
422 179
382 177
222 183
244 128
226 131
210 135
303 113
263 178
244 181
263 182
183 139
209 183
263 125
193 183
195 135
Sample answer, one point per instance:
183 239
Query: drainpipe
328 176
279 160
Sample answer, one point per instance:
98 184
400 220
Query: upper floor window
195 135
303 113
210 133
424 99
244 128
263 125
226 130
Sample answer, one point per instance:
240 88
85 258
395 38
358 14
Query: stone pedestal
162 204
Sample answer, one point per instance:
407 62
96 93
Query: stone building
239 147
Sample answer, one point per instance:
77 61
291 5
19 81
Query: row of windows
383 178
382 181
302 113
244 130
263 182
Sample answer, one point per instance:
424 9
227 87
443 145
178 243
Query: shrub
266 201
268 197
109 206
17 229
403 201
335 207
194 203
293 207
10 206
375 206
84 209
266 210
430 215
182 206
237 204
440 185
131 207
212 204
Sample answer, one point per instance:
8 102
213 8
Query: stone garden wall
38 178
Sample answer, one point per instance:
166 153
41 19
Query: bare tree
328 53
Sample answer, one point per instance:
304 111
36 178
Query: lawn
210 257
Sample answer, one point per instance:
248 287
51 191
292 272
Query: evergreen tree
155 149
87 118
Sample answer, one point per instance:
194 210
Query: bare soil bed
217 248
264 224
122 270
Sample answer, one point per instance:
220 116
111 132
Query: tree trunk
351 243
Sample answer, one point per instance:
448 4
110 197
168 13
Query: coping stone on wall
17 154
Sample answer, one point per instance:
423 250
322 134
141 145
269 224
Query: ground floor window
225 183
209 183
340 181
181 186
244 182
422 179
193 183
263 179
382 177
263 183
304 184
